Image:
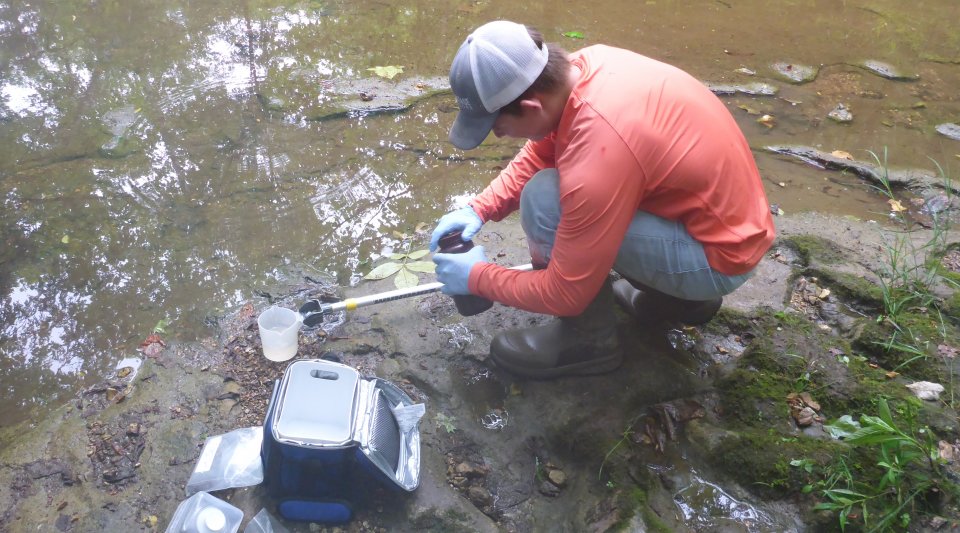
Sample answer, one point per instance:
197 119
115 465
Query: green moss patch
760 461
812 249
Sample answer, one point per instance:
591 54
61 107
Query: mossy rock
794 73
886 70
897 352
811 248
760 461
951 307
851 288
790 354
433 520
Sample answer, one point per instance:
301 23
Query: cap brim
469 131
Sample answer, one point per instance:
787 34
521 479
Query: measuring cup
278 333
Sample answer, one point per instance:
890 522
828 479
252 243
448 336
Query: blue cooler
328 433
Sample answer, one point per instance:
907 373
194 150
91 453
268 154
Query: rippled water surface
164 162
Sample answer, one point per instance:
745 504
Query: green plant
623 438
910 269
908 468
405 269
446 423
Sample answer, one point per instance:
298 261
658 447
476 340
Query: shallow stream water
149 181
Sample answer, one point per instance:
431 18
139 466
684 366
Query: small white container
279 331
211 520
203 513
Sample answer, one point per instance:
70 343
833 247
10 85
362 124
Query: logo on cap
464 103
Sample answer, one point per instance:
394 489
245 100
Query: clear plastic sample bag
228 461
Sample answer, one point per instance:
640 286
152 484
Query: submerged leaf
384 271
405 279
388 71
573 34
428 267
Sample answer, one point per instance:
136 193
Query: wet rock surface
498 453
918 179
752 88
886 70
950 130
840 114
795 73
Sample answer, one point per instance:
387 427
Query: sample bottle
469 304
211 520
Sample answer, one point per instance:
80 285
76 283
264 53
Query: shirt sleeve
502 196
601 186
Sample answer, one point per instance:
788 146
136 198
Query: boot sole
587 368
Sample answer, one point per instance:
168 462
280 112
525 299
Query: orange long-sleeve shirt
635 134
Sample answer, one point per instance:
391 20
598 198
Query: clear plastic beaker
279 328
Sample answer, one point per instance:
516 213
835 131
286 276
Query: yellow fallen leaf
823 294
65 239
891 374
842 155
896 206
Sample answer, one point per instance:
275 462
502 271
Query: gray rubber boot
650 306
568 346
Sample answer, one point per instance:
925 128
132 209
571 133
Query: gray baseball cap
496 63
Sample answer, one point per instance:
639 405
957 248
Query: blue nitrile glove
453 270
465 219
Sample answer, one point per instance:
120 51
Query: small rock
886 70
795 73
549 489
840 114
469 470
479 496
949 130
557 477
926 390
752 89
947 451
806 416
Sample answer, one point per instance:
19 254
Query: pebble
558 478
949 130
840 114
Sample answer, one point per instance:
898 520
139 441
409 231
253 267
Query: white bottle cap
211 519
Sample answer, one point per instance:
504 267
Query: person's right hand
464 219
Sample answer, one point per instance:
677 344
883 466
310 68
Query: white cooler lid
317 404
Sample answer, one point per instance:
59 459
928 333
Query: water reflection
162 161
705 506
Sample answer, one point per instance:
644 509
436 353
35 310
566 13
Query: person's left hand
453 270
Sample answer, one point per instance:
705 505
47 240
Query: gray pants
656 252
